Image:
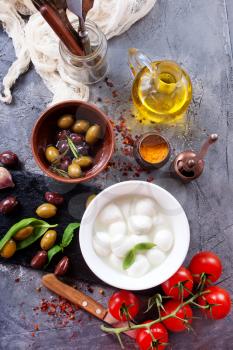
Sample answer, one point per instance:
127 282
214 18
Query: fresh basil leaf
69 234
131 255
66 240
22 224
129 259
143 246
53 251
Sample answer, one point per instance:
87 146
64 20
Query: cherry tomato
123 305
208 263
219 302
179 285
145 341
174 324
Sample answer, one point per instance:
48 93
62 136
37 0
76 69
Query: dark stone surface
199 35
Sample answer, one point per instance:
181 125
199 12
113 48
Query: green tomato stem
161 319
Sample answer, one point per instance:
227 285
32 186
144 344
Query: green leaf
53 251
38 224
69 234
129 259
131 255
143 246
66 240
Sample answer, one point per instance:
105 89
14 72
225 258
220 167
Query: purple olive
83 149
62 266
54 198
65 162
8 204
62 146
62 135
77 139
39 260
9 159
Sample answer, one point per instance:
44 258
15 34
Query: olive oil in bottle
162 90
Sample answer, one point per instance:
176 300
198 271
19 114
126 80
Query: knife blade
85 302
76 6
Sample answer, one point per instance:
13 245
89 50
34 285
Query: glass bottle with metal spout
162 90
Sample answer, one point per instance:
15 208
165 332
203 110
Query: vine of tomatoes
192 286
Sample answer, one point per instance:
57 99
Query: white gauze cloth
35 41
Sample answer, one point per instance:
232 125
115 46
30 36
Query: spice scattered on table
58 308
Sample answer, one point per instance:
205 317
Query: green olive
83 162
48 240
46 211
93 134
90 199
74 171
8 250
66 121
81 126
24 233
51 154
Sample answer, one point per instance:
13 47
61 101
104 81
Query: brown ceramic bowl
45 130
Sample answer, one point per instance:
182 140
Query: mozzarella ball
99 249
139 224
117 227
111 213
145 206
140 267
102 238
155 256
163 239
126 245
115 262
125 206
116 240
140 239
158 220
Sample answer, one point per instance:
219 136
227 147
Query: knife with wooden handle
86 303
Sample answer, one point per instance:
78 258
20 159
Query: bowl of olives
72 141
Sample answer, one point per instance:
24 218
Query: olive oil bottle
162 90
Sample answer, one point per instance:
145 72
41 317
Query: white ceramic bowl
178 222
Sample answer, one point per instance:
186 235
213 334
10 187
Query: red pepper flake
33 334
36 327
90 289
17 280
150 179
108 82
114 93
59 308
